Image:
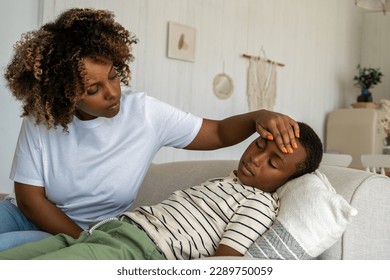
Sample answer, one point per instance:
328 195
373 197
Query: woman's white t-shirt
94 170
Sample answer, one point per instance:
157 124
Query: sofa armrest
368 235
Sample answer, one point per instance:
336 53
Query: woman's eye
92 90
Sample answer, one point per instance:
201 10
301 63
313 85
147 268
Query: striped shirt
191 223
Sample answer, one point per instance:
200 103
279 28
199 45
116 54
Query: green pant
114 240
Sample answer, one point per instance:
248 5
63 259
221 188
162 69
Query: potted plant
366 79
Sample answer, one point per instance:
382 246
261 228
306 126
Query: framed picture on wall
181 42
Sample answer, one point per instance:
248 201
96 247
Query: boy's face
265 167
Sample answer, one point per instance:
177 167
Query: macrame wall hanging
262 78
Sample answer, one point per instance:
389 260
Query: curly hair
313 147
47 71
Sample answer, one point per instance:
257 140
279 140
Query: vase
365 96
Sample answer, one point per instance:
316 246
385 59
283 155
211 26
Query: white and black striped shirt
192 223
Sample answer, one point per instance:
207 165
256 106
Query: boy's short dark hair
313 147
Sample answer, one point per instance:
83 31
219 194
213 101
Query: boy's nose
258 158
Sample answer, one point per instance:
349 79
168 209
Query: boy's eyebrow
261 139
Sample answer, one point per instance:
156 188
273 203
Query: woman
85 145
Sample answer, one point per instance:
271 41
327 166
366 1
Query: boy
220 217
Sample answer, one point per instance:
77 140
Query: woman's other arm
42 212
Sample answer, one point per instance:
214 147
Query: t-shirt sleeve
27 162
250 221
173 127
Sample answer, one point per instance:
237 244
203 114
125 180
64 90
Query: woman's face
102 92
265 167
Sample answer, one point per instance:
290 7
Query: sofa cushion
312 217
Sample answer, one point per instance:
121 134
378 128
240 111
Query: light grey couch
367 236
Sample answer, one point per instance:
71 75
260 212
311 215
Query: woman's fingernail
270 137
295 145
284 150
290 150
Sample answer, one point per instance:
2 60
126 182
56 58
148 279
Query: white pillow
312 217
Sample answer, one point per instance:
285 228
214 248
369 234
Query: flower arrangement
385 121
367 77
385 105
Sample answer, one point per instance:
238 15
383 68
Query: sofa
366 237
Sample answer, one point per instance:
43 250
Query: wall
17 17
318 41
375 50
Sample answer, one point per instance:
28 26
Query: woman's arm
43 213
230 131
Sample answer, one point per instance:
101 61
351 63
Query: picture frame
181 42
